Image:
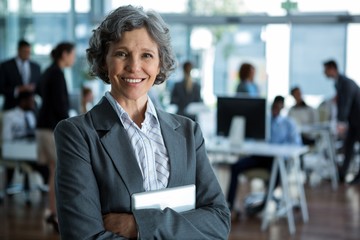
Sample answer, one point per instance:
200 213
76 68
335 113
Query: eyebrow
142 49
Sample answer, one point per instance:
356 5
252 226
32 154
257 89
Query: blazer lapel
175 144
115 141
15 70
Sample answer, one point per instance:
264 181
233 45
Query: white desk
281 153
19 150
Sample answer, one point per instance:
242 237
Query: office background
287 41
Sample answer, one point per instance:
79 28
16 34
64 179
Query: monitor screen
252 109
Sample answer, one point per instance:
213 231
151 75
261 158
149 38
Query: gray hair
127 18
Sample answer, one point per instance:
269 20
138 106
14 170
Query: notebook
180 199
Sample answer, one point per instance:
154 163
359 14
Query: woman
113 151
247 85
55 107
186 91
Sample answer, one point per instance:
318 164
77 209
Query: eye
120 54
147 55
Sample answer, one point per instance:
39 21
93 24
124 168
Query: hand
26 87
121 223
341 128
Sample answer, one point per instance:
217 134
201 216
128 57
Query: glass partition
311 45
215 35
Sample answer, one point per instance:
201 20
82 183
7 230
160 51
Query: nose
133 64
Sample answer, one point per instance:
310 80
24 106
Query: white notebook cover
180 199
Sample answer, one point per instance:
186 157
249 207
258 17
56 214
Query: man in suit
348 104
18 74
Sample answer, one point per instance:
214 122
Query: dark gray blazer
348 101
182 98
10 78
97 173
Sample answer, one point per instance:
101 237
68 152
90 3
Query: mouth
133 80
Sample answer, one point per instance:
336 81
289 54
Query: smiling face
132 65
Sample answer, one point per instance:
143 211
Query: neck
188 83
135 108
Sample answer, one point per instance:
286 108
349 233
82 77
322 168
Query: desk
324 130
19 150
281 153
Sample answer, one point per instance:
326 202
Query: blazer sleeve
60 97
35 76
9 79
210 219
80 208
78 204
346 94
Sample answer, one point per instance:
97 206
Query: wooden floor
334 215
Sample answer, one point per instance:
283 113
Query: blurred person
185 92
348 115
124 145
87 98
55 107
303 114
20 123
283 131
327 110
247 84
18 74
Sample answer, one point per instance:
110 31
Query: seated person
87 98
283 131
20 123
185 92
303 115
247 84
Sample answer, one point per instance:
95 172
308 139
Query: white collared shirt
24 69
148 144
14 124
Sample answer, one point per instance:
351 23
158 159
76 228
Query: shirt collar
150 113
20 61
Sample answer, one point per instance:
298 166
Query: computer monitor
252 109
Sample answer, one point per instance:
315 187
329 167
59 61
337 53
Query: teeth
129 80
